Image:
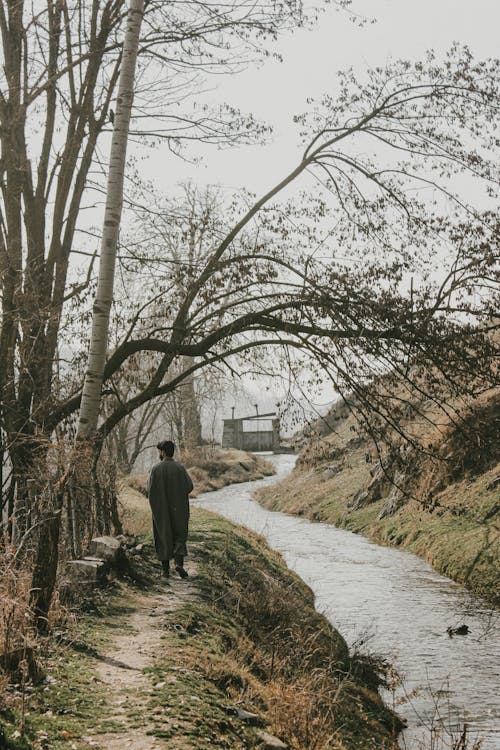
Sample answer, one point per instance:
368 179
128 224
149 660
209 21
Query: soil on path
123 669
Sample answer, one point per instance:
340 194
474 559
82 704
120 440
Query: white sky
276 91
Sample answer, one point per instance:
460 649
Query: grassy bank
452 522
249 638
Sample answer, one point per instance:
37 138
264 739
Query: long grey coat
168 488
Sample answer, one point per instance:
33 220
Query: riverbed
391 603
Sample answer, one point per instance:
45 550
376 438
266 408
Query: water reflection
395 605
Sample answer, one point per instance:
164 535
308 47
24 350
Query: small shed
255 433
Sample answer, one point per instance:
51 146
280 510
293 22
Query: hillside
439 498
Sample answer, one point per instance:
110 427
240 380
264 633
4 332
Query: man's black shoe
181 571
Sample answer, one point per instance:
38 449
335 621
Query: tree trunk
190 410
45 571
47 555
9 503
122 453
91 395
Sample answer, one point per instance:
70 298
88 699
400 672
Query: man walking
168 488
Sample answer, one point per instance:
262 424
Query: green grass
59 713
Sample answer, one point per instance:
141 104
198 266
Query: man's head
166 448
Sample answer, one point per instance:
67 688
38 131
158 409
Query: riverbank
225 659
447 513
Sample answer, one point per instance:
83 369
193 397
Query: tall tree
91 391
58 79
331 277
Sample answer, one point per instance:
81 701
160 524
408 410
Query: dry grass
305 711
19 648
16 639
22 651
134 508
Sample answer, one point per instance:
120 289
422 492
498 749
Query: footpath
126 672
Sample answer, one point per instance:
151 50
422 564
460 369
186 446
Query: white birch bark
91 395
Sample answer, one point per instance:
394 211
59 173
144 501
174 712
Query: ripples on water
396 606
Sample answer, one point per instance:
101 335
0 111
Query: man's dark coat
168 489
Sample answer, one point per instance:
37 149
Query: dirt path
122 670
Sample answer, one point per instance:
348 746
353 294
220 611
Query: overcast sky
275 91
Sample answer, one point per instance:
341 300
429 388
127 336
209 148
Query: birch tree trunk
47 555
91 395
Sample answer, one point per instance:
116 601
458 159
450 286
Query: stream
391 603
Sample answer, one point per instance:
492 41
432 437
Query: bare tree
91 391
135 434
270 278
61 63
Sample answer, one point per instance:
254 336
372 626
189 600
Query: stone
270 742
329 472
105 548
91 571
370 494
248 717
460 630
109 567
396 499
242 715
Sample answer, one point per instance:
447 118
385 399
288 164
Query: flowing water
393 604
